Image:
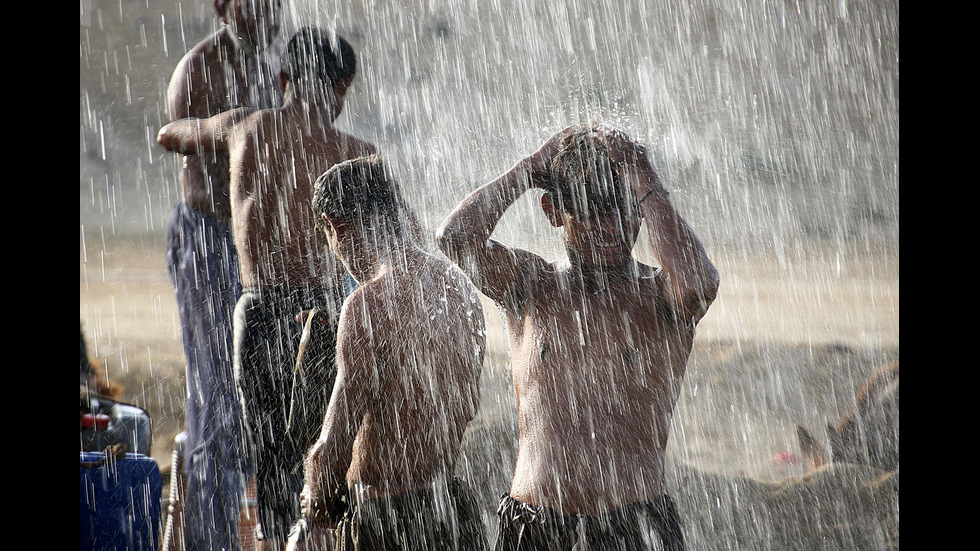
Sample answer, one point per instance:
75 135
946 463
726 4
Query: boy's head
255 23
317 62
586 195
583 179
357 203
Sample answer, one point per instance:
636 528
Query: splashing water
774 126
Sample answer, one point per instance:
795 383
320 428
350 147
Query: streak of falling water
773 124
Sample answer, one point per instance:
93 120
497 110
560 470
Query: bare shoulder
191 67
362 306
251 130
353 326
250 155
451 274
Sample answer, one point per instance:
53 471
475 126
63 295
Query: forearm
325 496
472 223
191 136
692 276
328 461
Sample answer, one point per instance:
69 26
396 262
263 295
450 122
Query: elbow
712 283
169 138
165 138
447 240
708 290
456 244
698 297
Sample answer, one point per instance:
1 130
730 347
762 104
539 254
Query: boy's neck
592 279
325 112
394 255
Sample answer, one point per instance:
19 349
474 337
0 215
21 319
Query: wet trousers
443 519
634 527
284 408
203 266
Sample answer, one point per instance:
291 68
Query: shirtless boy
598 345
286 265
410 350
236 66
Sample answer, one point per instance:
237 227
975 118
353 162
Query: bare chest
626 341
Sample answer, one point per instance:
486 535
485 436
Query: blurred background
775 125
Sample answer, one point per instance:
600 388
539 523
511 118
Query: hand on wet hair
623 150
540 160
628 154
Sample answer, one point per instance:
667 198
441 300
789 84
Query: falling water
773 124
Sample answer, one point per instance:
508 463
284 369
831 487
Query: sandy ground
788 341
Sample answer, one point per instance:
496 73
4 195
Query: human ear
551 211
282 81
328 226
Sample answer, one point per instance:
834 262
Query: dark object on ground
868 433
119 500
105 423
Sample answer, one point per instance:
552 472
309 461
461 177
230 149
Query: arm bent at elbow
693 278
191 136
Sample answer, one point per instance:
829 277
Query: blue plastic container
119 502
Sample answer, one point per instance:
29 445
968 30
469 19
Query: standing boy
410 349
598 346
286 266
234 67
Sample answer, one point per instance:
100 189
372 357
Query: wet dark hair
314 56
362 192
582 177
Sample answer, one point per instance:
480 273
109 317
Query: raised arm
329 459
692 277
465 234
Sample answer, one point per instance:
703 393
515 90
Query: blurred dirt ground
788 341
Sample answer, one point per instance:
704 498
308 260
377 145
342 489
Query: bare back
597 375
276 155
427 340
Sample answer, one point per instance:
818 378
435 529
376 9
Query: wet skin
411 342
210 79
598 346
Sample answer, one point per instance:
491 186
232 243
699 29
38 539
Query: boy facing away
598 345
410 347
286 266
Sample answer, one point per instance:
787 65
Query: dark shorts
634 526
283 411
426 519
